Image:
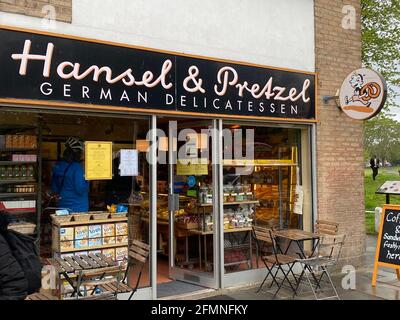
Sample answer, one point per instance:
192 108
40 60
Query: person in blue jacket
68 179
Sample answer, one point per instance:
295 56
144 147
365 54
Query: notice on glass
299 198
195 167
98 160
129 164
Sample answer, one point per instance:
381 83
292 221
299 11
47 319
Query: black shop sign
55 70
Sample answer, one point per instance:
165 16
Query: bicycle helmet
74 144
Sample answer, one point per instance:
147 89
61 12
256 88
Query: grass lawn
373 200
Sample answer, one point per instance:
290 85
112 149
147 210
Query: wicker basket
119 214
60 219
24 228
81 217
100 215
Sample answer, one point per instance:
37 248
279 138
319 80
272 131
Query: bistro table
389 188
84 267
299 236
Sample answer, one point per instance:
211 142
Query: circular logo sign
363 94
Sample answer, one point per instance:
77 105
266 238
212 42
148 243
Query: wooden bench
101 296
40 297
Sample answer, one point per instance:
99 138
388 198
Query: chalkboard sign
388 245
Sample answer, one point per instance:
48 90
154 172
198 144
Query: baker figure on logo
363 93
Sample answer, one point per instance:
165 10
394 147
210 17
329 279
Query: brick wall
63 8
339 139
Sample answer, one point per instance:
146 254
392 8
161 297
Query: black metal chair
265 237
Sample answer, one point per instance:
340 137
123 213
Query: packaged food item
94 251
66 245
109 233
62 212
121 239
81 253
19 141
121 253
16 172
95 235
122 209
80 244
81 232
109 253
3 173
121 229
95 231
81 237
109 240
9 142
66 234
109 230
33 142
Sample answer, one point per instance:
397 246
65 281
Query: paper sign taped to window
298 203
192 167
98 160
129 163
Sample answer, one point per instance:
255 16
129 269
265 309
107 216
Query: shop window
262 178
107 214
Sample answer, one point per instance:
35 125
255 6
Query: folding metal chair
138 256
263 242
324 227
276 260
315 268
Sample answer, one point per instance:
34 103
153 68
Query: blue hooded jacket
74 192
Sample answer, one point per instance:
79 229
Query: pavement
387 288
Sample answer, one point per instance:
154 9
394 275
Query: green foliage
382 138
373 200
380 24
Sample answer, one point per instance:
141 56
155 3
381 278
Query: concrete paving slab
388 286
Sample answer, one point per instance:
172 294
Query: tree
381 138
380 25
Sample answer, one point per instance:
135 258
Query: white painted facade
277 33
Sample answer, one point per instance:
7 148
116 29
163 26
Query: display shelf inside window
19 158
273 183
239 206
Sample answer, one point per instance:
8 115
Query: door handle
173 202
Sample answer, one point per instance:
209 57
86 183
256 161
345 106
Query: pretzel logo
363 94
371 90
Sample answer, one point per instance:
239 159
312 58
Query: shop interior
258 191
32 143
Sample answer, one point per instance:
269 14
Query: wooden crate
56 243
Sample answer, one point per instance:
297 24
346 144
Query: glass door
192 202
